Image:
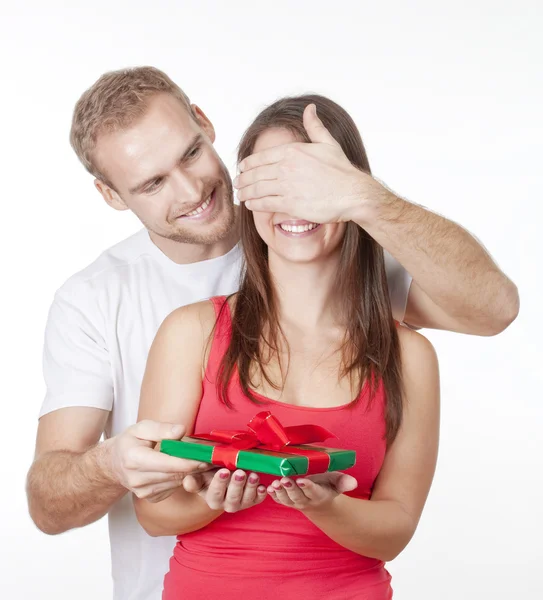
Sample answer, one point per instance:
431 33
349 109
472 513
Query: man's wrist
101 456
370 201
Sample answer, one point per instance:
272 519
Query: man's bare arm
68 484
75 479
456 284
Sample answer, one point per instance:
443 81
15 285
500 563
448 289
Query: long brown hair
371 349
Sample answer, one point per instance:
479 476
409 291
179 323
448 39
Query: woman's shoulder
196 320
417 352
190 316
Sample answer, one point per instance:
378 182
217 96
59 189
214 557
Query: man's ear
110 195
204 122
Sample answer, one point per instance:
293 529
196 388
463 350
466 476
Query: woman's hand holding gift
229 491
314 492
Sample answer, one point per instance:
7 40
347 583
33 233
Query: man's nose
188 189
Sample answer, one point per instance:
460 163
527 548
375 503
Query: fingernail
271 490
248 204
235 182
253 478
301 483
224 474
287 484
276 485
239 477
203 466
261 489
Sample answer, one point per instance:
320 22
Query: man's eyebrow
197 139
137 189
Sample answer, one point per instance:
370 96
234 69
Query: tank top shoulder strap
222 333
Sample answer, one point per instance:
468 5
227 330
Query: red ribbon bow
266 433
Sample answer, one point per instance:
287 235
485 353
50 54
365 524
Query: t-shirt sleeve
399 282
76 365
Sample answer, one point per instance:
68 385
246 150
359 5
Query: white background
448 97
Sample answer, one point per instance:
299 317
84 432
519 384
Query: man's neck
184 253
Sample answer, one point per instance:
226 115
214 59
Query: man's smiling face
164 168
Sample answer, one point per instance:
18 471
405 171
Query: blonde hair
115 102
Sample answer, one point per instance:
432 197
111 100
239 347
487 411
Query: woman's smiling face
293 239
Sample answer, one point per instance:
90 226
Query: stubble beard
222 224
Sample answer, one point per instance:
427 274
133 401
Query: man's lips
202 209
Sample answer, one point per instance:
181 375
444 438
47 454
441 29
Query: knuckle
150 491
139 425
134 483
178 477
129 461
282 172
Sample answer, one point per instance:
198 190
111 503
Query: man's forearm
71 489
448 264
378 529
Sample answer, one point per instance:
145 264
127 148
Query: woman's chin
300 256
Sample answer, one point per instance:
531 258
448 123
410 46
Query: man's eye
156 183
194 152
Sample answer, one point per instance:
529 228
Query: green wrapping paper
272 462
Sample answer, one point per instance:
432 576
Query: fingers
346 483
311 492
234 491
153 431
340 482
253 492
260 189
266 157
160 497
148 492
141 458
268 204
315 128
263 173
216 491
287 492
141 480
197 482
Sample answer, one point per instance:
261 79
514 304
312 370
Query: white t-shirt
99 331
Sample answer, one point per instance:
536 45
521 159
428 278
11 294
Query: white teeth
298 228
200 209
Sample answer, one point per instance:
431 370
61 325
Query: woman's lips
297 228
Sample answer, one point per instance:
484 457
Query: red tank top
271 551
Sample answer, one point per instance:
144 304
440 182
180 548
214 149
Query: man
151 152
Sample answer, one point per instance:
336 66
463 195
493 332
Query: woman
310 337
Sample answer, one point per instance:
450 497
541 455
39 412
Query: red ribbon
265 432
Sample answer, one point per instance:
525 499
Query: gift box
266 447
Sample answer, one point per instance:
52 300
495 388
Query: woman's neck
305 291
